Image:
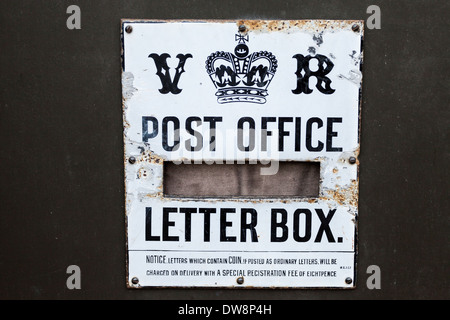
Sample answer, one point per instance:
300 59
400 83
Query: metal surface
62 148
289 81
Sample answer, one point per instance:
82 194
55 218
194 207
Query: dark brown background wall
61 172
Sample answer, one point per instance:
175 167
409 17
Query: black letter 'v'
169 85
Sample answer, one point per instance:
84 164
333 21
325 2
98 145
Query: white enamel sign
250 91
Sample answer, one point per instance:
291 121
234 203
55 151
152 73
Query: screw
348 280
355 28
240 280
129 29
352 160
242 28
132 160
135 280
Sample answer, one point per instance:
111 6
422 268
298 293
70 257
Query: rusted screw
132 160
135 280
352 160
129 29
355 28
240 280
348 280
242 28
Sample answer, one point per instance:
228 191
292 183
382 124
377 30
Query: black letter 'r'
303 74
169 85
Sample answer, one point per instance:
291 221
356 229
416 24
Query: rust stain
344 196
147 157
304 25
150 157
155 195
126 123
143 173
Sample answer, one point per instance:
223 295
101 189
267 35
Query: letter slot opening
291 180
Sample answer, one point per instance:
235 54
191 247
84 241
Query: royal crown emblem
242 76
